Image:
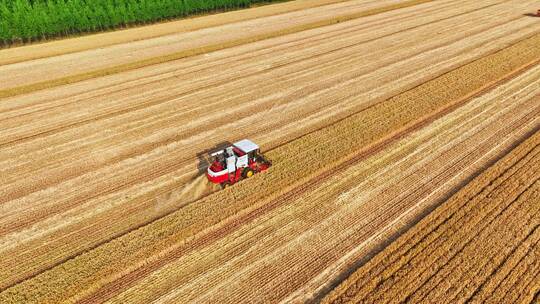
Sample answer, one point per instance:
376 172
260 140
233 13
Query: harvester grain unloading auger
240 161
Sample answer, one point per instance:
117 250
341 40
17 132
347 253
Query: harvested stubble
46 241
296 162
473 247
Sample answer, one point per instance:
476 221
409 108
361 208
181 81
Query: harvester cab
239 161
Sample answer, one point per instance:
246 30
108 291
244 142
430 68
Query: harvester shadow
531 15
203 156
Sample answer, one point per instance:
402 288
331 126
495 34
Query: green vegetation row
29 20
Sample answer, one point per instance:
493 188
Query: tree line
28 20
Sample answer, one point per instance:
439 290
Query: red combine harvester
232 164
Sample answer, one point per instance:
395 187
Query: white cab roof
246 145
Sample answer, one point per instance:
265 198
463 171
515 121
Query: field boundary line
14 91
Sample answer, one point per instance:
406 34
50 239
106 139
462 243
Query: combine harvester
239 161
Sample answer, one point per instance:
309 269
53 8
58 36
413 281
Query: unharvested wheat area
403 138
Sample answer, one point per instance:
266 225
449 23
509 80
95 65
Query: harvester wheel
248 173
225 185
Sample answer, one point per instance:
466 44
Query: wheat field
402 136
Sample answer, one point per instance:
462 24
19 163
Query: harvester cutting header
239 161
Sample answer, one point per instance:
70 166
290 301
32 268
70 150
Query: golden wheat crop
102 155
460 251
370 124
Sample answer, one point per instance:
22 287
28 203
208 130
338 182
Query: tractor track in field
229 225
